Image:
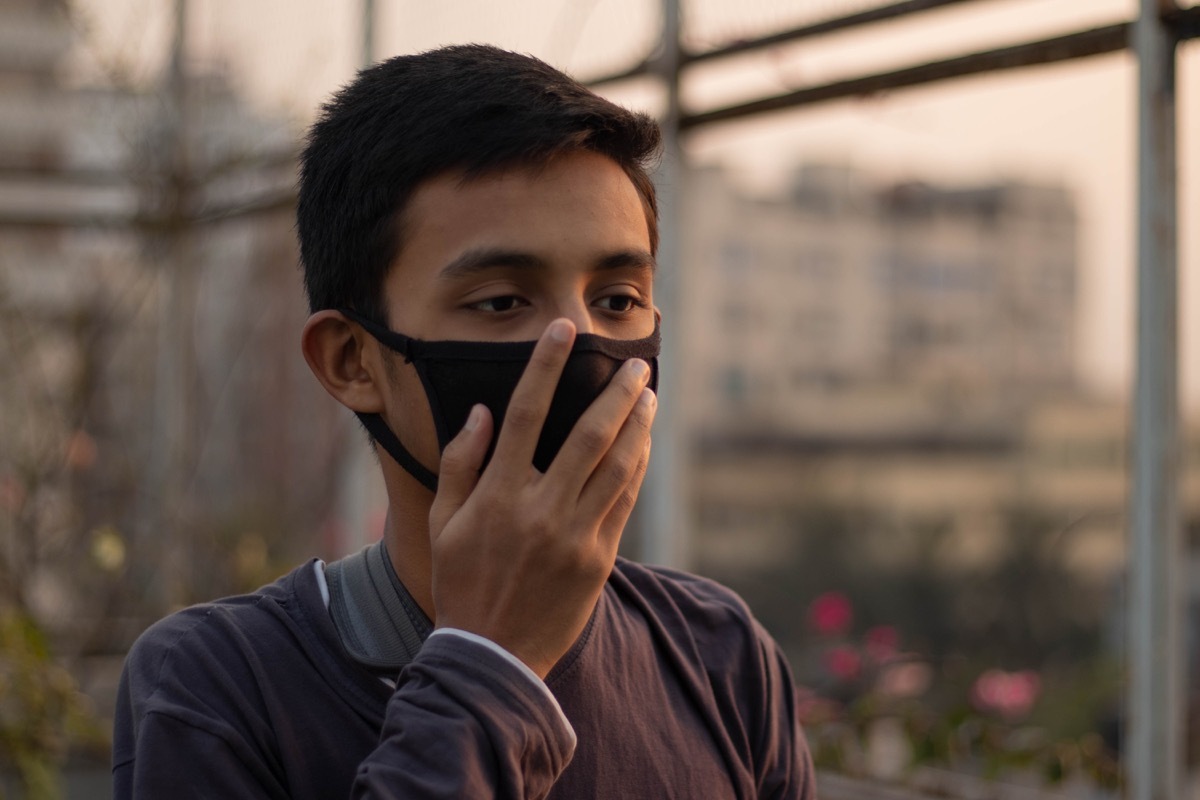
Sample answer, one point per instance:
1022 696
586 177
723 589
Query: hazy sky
1072 123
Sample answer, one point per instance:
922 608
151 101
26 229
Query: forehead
579 198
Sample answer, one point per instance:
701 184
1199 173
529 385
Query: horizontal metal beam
824 28
639 70
1093 42
68 176
34 218
881 14
280 160
265 203
1184 22
116 219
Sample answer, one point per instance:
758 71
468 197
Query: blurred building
161 439
880 388
848 309
1067 462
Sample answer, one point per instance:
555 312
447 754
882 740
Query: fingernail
560 331
640 368
648 398
474 418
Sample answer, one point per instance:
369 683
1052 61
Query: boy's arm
467 722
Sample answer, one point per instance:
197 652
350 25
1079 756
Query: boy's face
497 258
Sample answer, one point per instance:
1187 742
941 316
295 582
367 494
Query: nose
576 310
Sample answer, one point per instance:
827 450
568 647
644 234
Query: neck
407 533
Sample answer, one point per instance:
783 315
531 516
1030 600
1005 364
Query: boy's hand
520 557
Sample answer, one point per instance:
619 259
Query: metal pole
1154 748
358 470
181 279
163 508
368 33
665 529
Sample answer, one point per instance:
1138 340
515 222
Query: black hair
473 108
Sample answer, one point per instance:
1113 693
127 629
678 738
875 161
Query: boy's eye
505 302
619 302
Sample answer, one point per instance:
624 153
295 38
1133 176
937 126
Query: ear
345 360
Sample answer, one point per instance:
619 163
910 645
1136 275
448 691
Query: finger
598 427
618 514
459 470
530 400
619 468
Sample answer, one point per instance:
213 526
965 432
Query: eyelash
635 302
479 304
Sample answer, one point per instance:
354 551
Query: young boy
478 235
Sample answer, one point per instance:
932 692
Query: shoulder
709 635
220 642
712 638
702 600
241 691
248 611
694 610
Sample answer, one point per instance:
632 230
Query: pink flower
830 614
903 679
881 642
1010 695
843 663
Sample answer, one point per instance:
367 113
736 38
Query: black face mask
458 374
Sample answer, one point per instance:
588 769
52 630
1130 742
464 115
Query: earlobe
337 353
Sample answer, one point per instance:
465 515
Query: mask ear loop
396 341
383 434
374 423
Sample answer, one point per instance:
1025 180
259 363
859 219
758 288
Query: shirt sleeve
465 722
521 666
230 770
178 748
517 663
784 764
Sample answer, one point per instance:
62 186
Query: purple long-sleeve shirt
673 691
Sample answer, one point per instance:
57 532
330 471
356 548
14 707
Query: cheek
409 415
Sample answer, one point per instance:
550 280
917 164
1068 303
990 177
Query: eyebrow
479 259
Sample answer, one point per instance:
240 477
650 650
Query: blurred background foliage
43 714
1006 669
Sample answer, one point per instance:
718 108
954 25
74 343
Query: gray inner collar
379 623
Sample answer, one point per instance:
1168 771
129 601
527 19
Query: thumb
459 470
